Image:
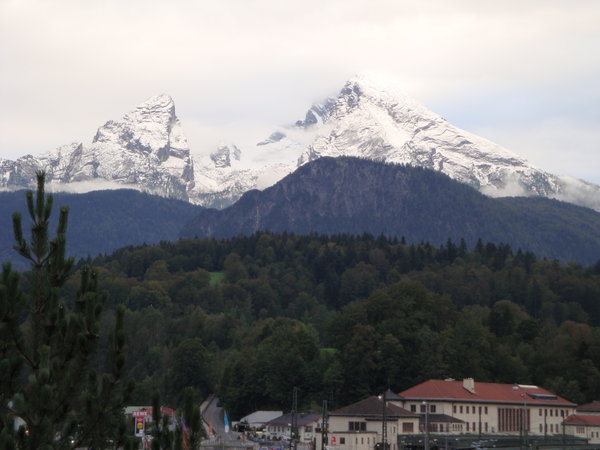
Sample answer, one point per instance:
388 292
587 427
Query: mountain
351 195
147 150
376 120
101 221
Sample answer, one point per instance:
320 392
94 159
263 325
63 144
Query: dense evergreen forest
343 317
104 221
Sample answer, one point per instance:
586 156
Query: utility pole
426 425
383 423
294 442
324 426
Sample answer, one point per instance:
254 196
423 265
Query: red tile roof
483 392
580 419
590 407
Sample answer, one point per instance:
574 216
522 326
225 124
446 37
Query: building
257 420
590 409
585 423
584 426
360 426
281 427
469 407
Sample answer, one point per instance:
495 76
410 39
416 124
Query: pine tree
51 394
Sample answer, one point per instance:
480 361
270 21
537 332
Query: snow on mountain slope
147 150
383 124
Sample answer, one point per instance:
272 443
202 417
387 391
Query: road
213 417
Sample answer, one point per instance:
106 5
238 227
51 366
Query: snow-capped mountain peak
368 118
145 150
382 123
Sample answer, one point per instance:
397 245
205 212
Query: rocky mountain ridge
147 150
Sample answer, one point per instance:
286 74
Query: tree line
343 316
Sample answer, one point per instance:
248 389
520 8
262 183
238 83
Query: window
423 408
467 425
413 408
408 427
541 429
474 427
454 409
580 430
362 441
308 428
485 409
461 409
466 409
432 408
357 426
486 427
342 440
513 419
540 412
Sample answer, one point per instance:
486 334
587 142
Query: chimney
469 385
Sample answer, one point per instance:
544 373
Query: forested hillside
351 195
103 221
343 317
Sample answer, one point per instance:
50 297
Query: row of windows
423 408
554 412
462 409
470 409
362 441
553 428
513 419
357 426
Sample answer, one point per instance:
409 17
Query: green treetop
51 392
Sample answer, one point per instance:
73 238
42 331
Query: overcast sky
525 74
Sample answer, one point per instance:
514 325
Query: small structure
281 427
257 420
361 425
584 426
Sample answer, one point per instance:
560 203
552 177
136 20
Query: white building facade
488 408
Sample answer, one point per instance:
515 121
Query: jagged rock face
146 150
222 156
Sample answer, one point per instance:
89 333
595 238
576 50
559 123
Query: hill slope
102 221
349 195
